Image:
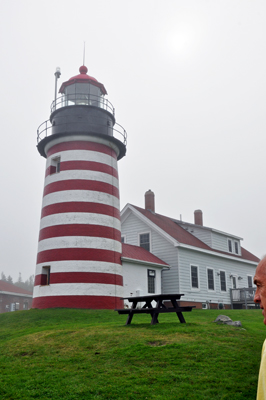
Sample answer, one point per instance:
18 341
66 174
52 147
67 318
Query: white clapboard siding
216 240
160 247
231 267
202 234
220 242
135 279
180 259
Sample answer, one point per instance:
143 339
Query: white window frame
145 233
232 277
233 246
252 284
194 288
214 289
154 279
223 291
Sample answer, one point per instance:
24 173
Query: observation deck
82 113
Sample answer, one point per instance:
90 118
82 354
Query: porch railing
244 296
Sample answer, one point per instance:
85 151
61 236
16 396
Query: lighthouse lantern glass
83 94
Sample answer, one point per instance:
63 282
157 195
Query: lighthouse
79 249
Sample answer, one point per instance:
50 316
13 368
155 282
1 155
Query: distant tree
3 277
31 281
27 285
9 279
19 278
19 282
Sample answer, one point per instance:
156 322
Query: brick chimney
149 201
198 218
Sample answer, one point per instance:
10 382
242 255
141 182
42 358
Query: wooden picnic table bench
160 307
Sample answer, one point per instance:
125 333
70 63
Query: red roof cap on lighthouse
82 78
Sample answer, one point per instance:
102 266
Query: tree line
27 284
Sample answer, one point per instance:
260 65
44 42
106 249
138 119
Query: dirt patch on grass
157 343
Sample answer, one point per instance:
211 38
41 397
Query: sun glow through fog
183 40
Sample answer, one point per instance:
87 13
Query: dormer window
233 246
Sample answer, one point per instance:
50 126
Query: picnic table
160 307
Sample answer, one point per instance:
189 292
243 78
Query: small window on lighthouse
46 275
55 165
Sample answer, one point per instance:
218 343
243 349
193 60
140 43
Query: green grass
90 354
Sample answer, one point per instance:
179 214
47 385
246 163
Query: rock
223 319
234 323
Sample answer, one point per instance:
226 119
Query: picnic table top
153 297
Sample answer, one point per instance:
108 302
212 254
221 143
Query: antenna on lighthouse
57 76
84 53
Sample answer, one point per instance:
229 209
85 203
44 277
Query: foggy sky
187 80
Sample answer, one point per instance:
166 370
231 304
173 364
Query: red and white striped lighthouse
79 250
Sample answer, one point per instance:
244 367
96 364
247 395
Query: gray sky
187 79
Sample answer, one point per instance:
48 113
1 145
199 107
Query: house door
234 282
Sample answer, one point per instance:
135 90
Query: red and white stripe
80 231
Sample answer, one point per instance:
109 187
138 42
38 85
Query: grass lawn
90 354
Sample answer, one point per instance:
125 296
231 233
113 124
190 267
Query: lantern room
83 89
82 108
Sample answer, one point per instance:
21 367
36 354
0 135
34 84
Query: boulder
234 323
223 319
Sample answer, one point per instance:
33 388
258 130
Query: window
210 276
123 239
45 276
233 246
151 280
222 281
144 241
194 277
250 281
55 165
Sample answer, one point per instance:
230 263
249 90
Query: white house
204 263
142 272
13 298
